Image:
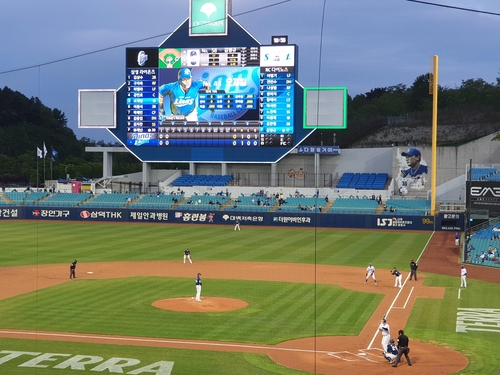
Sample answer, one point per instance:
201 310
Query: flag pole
44 155
36 169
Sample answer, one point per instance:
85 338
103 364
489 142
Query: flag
39 153
55 154
44 150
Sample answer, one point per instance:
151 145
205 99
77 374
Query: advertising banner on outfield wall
483 197
288 219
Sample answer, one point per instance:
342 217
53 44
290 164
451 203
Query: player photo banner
412 171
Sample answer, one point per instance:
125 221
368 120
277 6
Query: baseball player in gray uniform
370 271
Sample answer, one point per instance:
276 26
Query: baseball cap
392 341
184 73
411 152
383 320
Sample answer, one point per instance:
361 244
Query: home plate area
371 355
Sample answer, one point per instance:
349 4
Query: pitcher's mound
207 304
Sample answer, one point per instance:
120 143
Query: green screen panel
325 108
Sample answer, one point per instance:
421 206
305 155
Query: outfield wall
443 221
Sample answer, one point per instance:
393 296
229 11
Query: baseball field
274 301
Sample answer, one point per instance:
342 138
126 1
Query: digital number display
221 97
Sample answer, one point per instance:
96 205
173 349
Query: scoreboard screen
220 97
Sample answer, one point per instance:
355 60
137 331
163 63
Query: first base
90 273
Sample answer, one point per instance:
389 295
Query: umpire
402 348
413 267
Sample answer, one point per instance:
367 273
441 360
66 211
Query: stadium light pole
433 82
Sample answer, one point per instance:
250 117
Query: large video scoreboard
220 96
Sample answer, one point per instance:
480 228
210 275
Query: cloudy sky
52 48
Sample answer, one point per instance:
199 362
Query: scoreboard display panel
211 97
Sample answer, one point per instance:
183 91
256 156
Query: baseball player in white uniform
370 271
386 333
198 284
187 255
463 277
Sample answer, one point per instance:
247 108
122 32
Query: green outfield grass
186 361
276 312
54 242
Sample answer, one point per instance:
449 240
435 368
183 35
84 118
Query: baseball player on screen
183 95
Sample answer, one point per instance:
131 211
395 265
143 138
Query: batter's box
361 355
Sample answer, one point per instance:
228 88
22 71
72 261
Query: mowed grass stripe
123 307
54 242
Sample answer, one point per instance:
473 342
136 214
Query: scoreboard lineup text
248 101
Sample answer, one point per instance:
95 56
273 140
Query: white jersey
370 270
385 329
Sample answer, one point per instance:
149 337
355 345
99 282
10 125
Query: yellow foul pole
434 87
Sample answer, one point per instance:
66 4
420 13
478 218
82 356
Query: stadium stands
202 180
354 206
367 181
298 204
204 202
251 203
157 201
16 196
485 241
110 200
64 200
408 206
482 174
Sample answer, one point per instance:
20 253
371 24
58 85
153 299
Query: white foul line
162 341
390 308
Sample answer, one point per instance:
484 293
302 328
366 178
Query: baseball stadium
292 248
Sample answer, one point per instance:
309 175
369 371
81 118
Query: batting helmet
184 73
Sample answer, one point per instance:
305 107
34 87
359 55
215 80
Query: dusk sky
52 48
